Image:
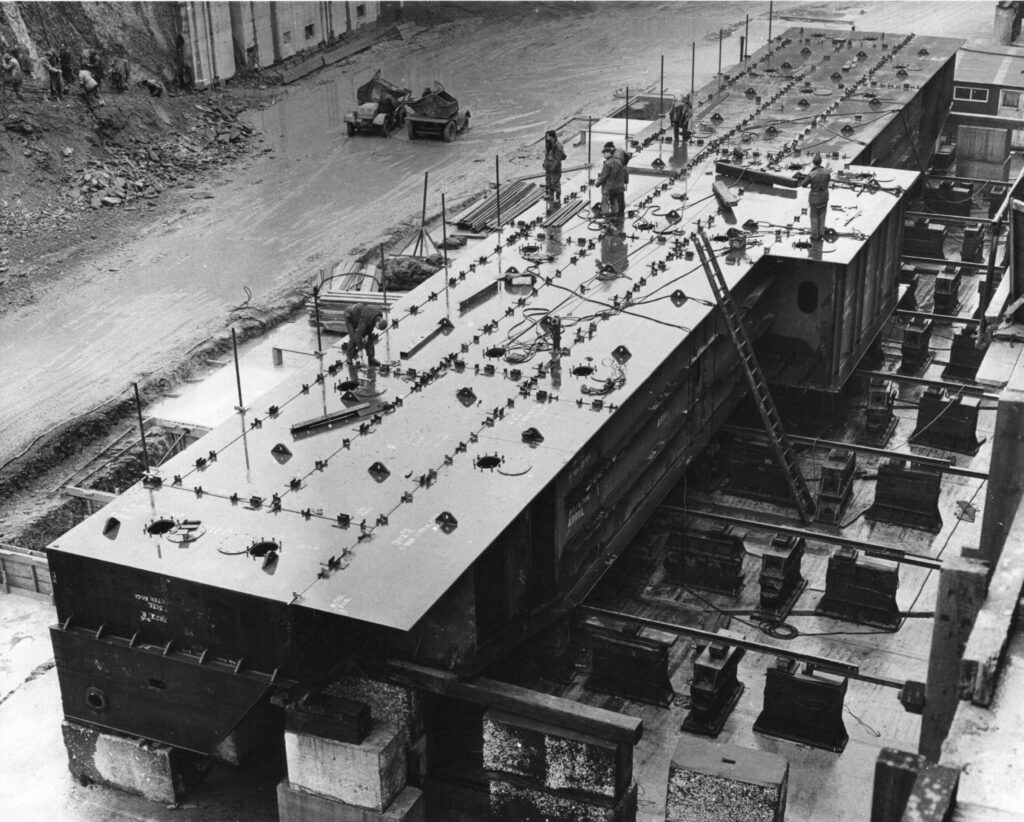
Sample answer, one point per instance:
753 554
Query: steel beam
958 388
819 662
870 548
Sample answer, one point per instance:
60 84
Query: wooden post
962 586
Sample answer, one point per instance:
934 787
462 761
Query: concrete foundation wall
296 805
208 50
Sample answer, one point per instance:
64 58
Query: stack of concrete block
541 771
716 782
396 705
338 773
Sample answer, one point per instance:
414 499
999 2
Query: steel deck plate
392 573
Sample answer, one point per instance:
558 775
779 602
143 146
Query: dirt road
320 196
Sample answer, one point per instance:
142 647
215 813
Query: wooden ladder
755 379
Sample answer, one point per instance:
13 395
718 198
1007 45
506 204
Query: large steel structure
535 404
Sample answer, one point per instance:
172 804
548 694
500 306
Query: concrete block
157 772
895 772
934 795
555 757
391 704
297 805
370 774
515 800
715 782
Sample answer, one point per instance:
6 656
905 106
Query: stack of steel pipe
564 214
485 213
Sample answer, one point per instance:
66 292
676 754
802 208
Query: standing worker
66 69
679 115
12 75
553 156
360 321
612 181
51 65
818 179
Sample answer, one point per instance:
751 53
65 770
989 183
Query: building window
807 297
1009 99
309 31
361 10
974 95
286 38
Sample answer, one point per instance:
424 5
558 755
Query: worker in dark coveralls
612 181
679 116
553 156
360 320
818 179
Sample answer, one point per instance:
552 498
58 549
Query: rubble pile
134 169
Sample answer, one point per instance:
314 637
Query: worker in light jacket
360 321
818 180
553 156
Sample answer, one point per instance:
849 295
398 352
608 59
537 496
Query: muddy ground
133 234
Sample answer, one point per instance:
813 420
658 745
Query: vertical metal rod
590 126
661 96
771 5
719 52
316 311
423 212
444 246
693 70
142 429
746 37
626 147
743 43
238 372
383 274
990 280
497 184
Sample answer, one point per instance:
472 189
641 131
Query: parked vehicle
381 107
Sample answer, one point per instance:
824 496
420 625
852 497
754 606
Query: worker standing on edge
360 320
51 65
612 181
818 179
679 116
553 156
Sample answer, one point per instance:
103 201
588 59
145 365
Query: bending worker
818 179
360 320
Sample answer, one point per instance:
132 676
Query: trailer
436 114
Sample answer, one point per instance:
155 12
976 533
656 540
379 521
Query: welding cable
943 548
623 310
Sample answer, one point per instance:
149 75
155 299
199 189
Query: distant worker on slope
156 88
66 69
51 65
360 320
818 179
12 75
90 88
679 115
553 156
